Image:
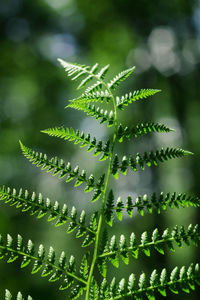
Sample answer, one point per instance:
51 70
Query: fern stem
95 256
43 262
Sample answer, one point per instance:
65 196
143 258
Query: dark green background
162 39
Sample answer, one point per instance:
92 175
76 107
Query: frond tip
76 71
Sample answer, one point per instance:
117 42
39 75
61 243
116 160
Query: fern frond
95 87
84 267
147 159
94 290
90 237
36 204
140 129
58 167
136 95
102 73
180 279
77 138
119 78
8 296
108 213
96 112
154 203
77 71
178 235
46 263
98 96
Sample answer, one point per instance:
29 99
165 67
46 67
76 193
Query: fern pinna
94 230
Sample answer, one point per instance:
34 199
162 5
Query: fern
94 229
8 296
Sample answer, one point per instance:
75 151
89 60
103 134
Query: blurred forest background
162 39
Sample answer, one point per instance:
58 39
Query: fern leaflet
136 95
140 129
147 159
8 296
119 78
59 167
77 137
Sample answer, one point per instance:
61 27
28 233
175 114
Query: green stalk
95 256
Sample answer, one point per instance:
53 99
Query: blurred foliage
162 39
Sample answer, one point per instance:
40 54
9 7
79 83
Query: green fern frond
59 167
90 237
74 69
136 95
94 290
180 279
94 88
119 78
140 129
109 208
84 267
46 263
153 203
36 204
8 296
178 235
147 159
77 71
96 112
102 73
98 96
94 231
77 138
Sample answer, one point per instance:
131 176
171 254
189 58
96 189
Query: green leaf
108 213
136 95
148 159
81 139
8 296
140 129
47 262
119 78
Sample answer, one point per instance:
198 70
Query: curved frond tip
77 71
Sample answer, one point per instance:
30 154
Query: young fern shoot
104 247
